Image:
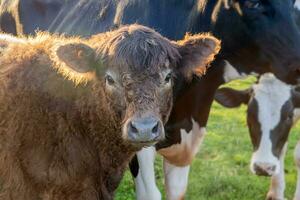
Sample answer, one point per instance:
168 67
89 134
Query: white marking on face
270 94
230 73
182 154
297 4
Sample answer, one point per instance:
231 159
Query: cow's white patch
297 4
145 184
176 180
182 154
230 73
271 94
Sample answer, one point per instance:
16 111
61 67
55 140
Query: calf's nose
264 169
145 129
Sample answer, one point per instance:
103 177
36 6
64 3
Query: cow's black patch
279 135
254 125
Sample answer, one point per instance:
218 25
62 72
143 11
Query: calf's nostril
155 128
144 129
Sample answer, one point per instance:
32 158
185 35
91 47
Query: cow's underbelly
182 154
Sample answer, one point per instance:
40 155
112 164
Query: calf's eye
168 78
109 80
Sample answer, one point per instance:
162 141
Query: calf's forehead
139 48
124 73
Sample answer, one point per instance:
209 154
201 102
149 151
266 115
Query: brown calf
73 111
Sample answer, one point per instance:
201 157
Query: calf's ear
232 98
77 56
197 52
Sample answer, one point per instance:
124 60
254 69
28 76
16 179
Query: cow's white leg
297 162
276 191
145 184
176 180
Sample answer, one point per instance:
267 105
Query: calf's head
264 32
137 66
272 110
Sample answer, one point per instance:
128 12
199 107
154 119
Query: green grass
221 168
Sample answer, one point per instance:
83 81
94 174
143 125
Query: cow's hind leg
276 191
145 184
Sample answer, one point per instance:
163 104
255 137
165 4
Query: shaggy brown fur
60 121
53 133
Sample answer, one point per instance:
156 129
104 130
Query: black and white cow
273 108
257 36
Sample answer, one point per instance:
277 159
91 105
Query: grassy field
221 169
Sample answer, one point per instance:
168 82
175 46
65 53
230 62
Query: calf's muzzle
143 130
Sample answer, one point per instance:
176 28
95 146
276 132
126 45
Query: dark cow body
257 36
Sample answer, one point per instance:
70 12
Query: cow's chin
138 144
142 144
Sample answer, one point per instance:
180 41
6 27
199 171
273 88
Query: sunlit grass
221 169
